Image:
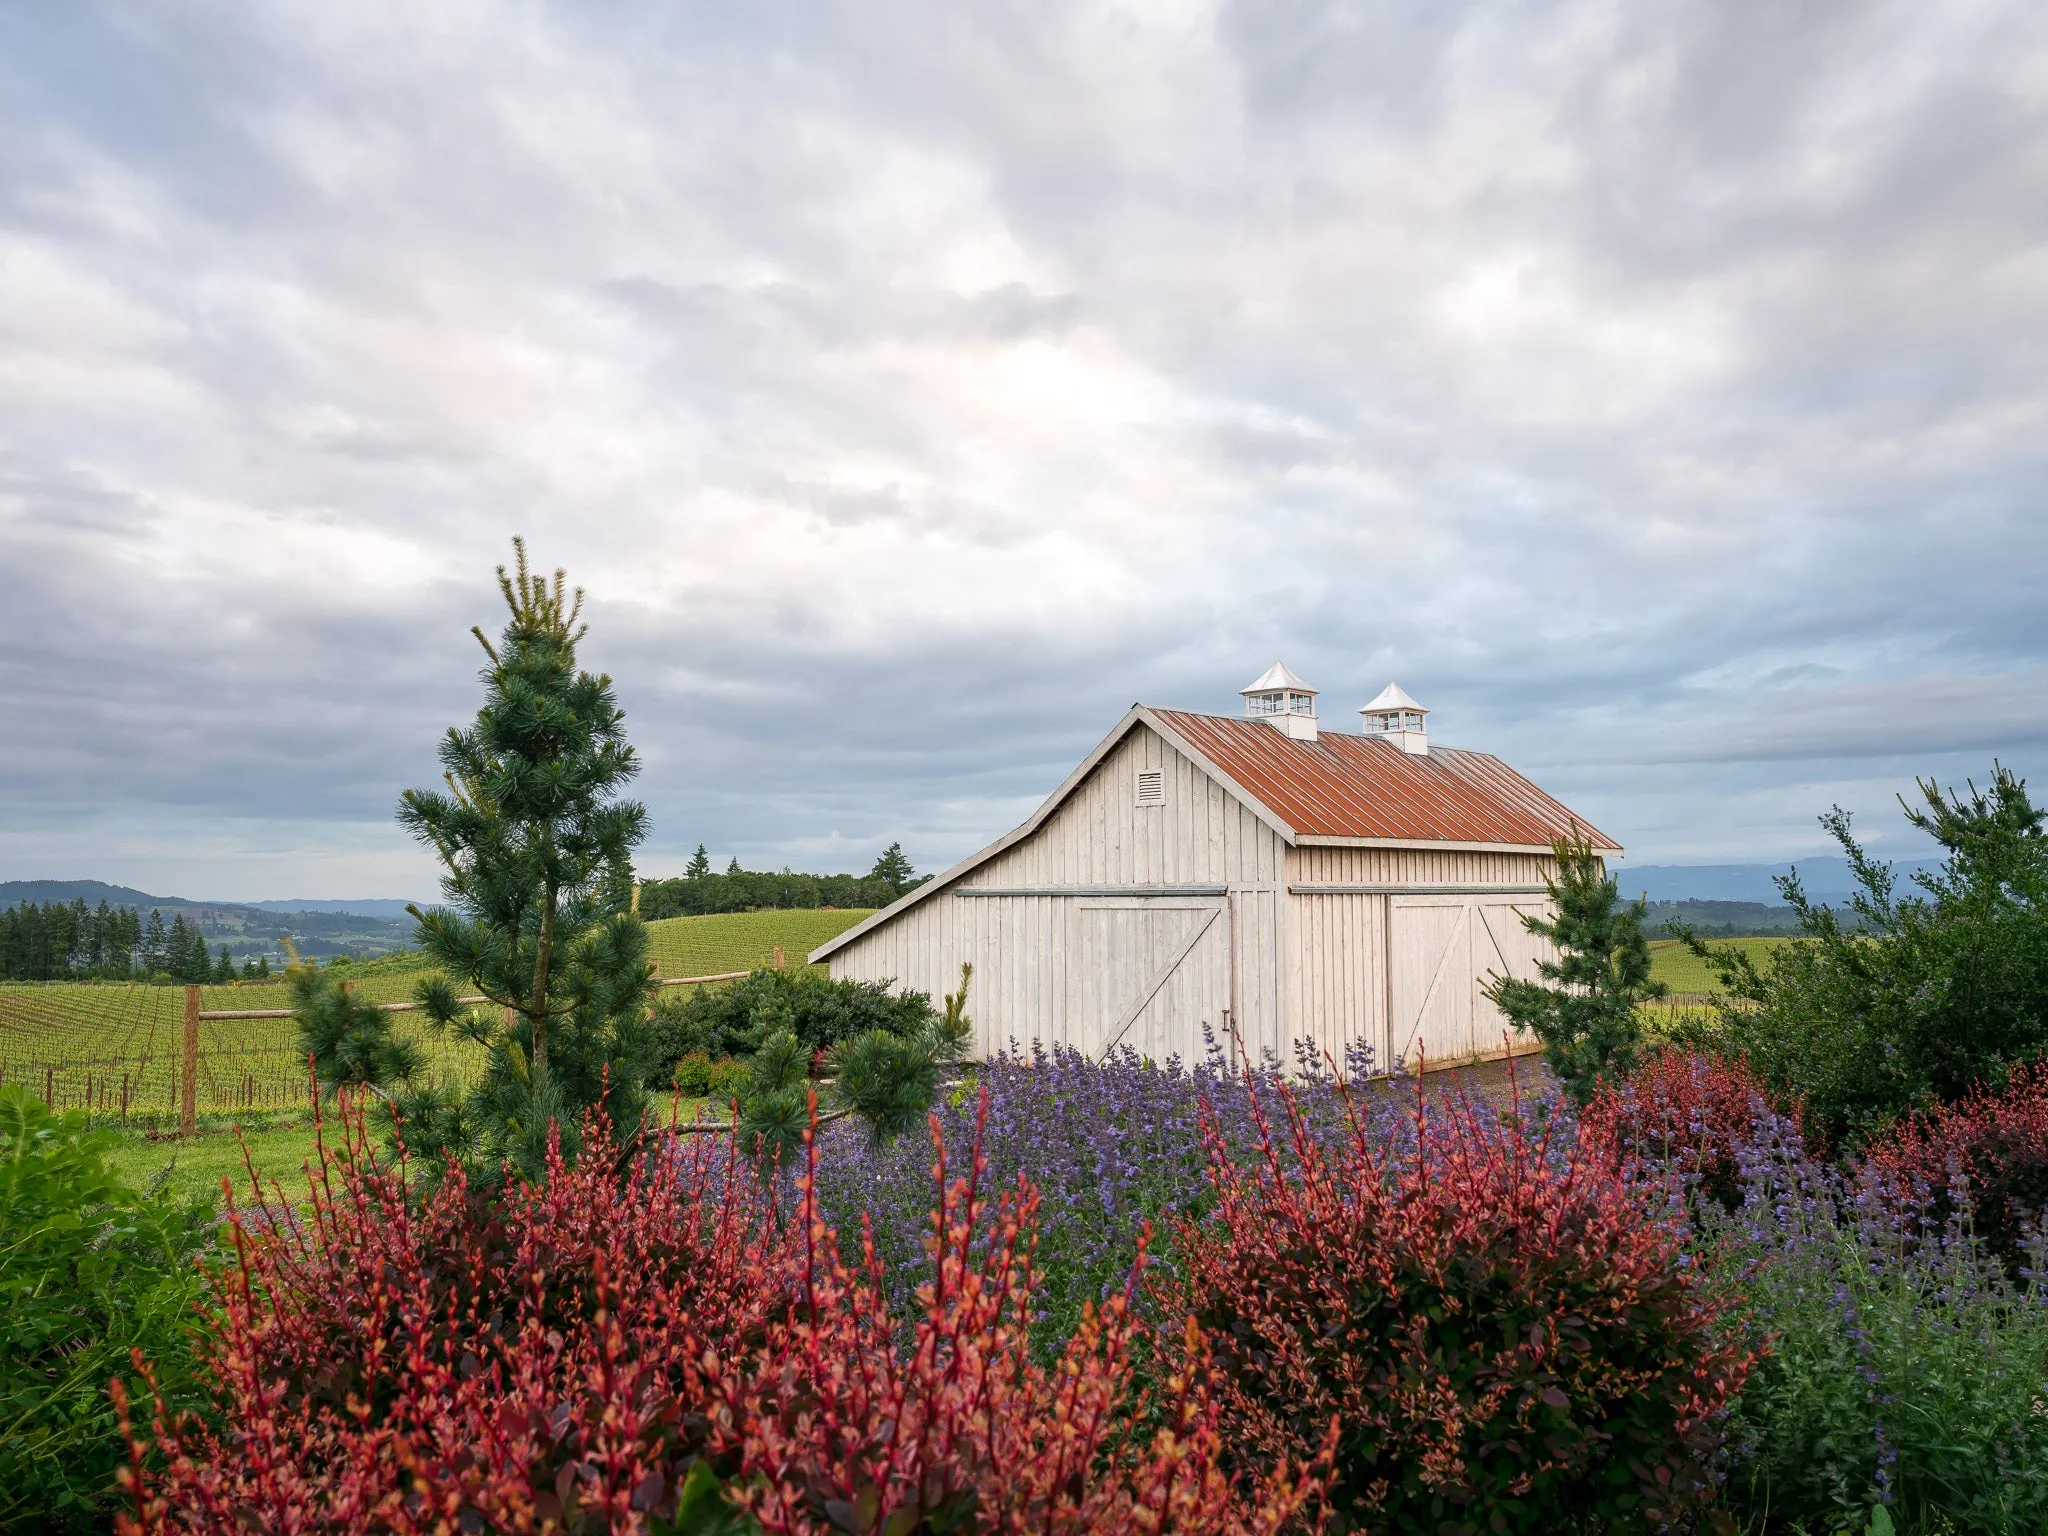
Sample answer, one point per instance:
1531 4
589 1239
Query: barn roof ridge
1364 790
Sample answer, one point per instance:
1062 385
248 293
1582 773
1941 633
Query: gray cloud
1658 392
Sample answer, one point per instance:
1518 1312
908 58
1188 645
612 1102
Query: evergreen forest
56 941
699 891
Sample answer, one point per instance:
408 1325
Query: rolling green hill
740 941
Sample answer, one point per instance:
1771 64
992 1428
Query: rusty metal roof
1361 786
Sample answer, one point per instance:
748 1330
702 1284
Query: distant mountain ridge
390 909
1826 880
15 892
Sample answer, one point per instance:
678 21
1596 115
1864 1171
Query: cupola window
1283 701
1395 715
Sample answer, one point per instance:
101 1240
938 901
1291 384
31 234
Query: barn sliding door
1147 973
1444 952
1503 946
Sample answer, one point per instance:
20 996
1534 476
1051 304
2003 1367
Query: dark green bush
88 1270
819 1011
1905 1000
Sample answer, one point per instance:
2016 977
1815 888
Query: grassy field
1688 975
196 1166
115 1047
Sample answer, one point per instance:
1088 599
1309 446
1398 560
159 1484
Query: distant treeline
59 942
1723 919
699 892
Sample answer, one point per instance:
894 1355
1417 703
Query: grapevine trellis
120 1050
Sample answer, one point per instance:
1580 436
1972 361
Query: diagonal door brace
1151 988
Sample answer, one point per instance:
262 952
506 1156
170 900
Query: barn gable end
1068 926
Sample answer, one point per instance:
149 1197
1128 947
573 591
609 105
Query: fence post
778 957
188 1087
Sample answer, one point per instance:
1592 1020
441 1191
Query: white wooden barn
1272 880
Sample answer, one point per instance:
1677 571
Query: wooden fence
188 1074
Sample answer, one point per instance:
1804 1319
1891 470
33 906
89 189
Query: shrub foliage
89 1270
663 1352
817 1009
1905 999
1686 1115
1506 1340
1983 1161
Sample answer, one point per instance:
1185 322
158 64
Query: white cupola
1398 718
1283 701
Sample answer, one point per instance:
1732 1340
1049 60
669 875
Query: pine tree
224 968
734 867
894 870
178 950
156 944
1586 1017
537 848
699 865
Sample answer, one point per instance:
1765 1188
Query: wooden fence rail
188 1081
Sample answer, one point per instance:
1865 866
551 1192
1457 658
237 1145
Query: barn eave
1437 845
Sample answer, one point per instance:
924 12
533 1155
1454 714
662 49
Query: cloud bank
1656 391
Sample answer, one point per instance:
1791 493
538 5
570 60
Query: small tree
894 870
537 848
1584 1008
699 865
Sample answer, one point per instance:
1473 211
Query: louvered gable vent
1151 786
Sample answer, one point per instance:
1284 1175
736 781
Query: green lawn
199 1164
1684 972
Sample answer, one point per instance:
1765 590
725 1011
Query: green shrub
88 1270
819 1011
1904 1000
699 1077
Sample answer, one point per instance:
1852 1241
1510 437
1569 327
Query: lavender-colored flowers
1110 1145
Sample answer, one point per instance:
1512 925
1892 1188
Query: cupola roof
1275 678
1393 696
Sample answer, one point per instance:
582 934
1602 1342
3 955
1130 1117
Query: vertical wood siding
1394 971
1053 968
1414 866
1336 970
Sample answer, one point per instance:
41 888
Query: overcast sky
1657 391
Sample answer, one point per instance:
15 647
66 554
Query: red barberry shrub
1985 1158
529 1361
1689 1115
654 1350
1508 1340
